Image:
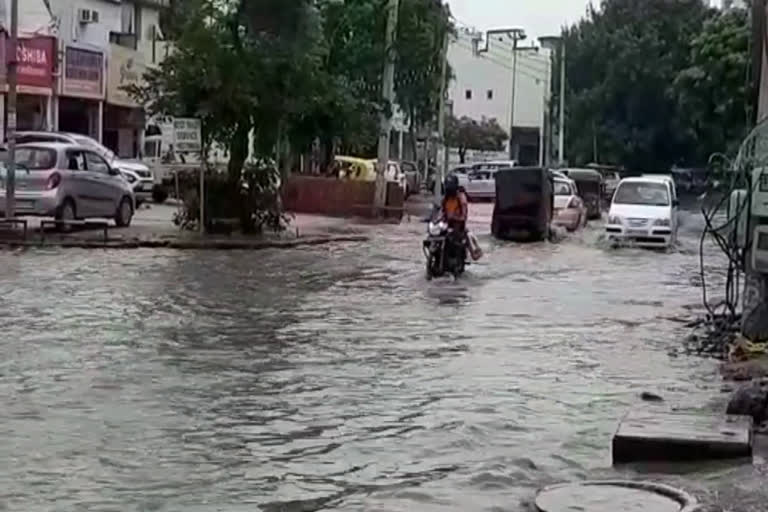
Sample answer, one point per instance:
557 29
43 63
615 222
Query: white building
482 87
99 47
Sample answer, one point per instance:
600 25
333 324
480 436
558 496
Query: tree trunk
238 151
462 154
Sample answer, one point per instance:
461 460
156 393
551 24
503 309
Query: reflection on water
335 378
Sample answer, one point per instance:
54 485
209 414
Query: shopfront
82 92
123 116
35 70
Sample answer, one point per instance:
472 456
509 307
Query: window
36 159
468 94
127 21
96 163
75 161
490 94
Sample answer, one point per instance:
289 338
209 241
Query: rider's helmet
451 185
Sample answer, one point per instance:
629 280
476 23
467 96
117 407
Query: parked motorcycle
445 250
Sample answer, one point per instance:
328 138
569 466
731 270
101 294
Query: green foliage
295 71
254 202
467 133
647 81
713 92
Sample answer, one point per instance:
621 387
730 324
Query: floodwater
338 378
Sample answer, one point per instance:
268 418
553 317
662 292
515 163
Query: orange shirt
455 208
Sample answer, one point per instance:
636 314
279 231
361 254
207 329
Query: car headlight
663 222
131 178
614 219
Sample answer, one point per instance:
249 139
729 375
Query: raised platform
658 435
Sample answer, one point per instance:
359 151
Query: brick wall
329 196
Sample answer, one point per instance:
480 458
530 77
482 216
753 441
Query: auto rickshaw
591 189
524 204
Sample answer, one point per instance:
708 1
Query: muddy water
337 378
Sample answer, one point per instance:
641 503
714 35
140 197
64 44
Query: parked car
480 184
143 189
570 211
644 211
68 182
591 188
412 177
524 204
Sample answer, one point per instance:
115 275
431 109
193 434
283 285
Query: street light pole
388 93
561 141
517 34
10 186
441 120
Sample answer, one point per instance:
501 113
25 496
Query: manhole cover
612 496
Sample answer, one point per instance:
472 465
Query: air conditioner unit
87 16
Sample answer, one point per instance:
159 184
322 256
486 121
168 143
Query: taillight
53 181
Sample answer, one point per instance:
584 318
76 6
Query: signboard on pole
186 135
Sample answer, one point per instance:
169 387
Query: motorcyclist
455 206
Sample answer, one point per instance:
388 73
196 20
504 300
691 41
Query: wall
33 17
492 70
329 196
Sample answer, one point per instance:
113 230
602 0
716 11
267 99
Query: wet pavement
338 378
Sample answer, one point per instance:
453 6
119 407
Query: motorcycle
445 250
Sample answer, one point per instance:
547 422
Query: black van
524 204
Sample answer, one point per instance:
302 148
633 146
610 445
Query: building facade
83 53
482 87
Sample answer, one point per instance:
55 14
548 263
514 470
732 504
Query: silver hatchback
68 182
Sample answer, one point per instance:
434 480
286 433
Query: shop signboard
186 134
83 73
125 67
35 63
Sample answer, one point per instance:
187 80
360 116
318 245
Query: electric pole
517 34
388 93
10 187
561 141
441 120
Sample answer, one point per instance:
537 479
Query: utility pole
517 34
10 186
441 120
561 142
388 93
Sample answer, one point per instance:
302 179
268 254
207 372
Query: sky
537 17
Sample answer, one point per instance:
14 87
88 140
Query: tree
623 60
714 92
466 133
290 72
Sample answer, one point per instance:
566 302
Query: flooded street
338 378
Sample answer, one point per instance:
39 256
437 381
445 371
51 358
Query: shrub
253 201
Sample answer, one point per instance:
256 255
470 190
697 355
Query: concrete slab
656 435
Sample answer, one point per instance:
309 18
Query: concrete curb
252 245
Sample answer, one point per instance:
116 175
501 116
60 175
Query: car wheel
67 212
124 213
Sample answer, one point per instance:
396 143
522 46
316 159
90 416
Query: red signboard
34 59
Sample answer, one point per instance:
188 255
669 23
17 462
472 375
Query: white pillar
400 145
2 118
49 113
100 123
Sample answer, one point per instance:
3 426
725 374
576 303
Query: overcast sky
536 17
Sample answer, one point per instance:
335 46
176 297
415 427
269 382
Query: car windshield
88 142
36 159
643 193
562 188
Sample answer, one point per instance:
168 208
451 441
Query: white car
480 182
644 211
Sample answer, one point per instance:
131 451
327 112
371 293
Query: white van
644 211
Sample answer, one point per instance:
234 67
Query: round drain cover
613 496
